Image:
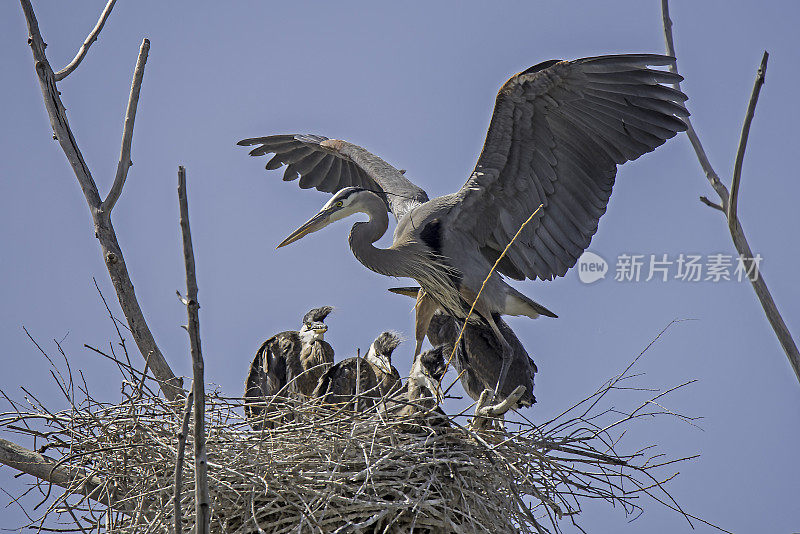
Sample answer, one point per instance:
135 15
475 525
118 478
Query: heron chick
379 356
422 393
358 382
287 364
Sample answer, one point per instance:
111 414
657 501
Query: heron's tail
518 304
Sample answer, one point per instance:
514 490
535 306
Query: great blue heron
288 363
359 382
478 356
558 132
421 394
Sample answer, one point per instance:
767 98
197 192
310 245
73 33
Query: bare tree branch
728 202
63 73
704 199
712 176
47 469
182 433
748 118
201 495
127 133
104 230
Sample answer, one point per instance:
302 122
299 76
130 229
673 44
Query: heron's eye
339 204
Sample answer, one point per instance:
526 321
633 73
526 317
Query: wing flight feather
558 132
330 165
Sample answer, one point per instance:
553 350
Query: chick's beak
315 223
319 328
384 366
433 385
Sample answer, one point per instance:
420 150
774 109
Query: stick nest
325 470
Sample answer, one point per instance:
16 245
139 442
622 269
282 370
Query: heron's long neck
386 261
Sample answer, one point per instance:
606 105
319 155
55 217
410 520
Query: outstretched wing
558 132
330 165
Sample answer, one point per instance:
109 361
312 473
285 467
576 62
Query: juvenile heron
478 357
557 134
358 382
296 358
379 356
421 394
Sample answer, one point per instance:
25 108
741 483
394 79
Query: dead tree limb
748 119
201 495
49 470
89 41
127 133
101 211
728 201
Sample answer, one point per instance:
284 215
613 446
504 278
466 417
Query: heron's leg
507 356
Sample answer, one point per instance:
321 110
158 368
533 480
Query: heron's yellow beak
315 223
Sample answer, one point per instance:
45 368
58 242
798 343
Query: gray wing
338 384
558 131
330 165
267 374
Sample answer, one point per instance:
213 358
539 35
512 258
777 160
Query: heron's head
428 370
344 203
314 328
380 352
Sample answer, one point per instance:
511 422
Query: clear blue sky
414 85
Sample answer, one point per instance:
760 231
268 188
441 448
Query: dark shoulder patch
541 66
431 235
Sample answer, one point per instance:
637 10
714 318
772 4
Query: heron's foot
489 415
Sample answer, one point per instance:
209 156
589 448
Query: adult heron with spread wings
558 132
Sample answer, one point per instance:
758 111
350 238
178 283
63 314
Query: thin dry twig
728 201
